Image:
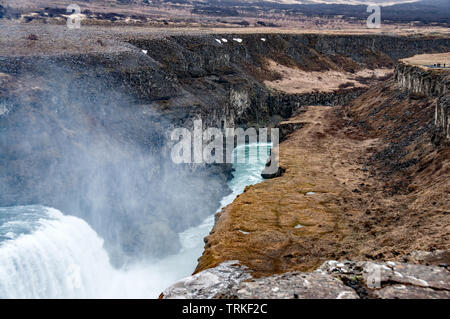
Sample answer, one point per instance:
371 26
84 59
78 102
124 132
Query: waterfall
46 254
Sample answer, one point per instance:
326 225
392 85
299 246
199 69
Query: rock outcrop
433 83
392 280
422 81
332 280
291 286
209 283
442 116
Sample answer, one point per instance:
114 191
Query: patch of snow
238 40
224 40
310 193
263 39
144 51
298 226
244 232
218 41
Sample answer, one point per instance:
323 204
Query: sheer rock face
442 116
428 82
432 83
333 280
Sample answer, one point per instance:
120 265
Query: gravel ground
19 39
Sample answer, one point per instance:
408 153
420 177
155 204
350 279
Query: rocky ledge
419 79
423 81
333 280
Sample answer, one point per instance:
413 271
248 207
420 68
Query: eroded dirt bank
362 182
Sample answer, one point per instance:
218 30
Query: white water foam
46 254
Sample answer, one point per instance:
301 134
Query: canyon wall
428 82
442 116
424 81
223 80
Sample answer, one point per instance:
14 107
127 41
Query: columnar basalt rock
419 80
432 83
442 116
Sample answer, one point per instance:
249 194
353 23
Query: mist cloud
77 143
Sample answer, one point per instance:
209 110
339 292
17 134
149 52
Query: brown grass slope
380 190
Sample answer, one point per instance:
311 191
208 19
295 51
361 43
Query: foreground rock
208 283
333 280
391 279
295 285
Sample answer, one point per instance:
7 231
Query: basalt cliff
430 83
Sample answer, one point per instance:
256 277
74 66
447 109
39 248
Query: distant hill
424 11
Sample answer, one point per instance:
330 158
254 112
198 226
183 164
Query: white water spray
46 254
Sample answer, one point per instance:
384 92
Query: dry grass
295 81
429 59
